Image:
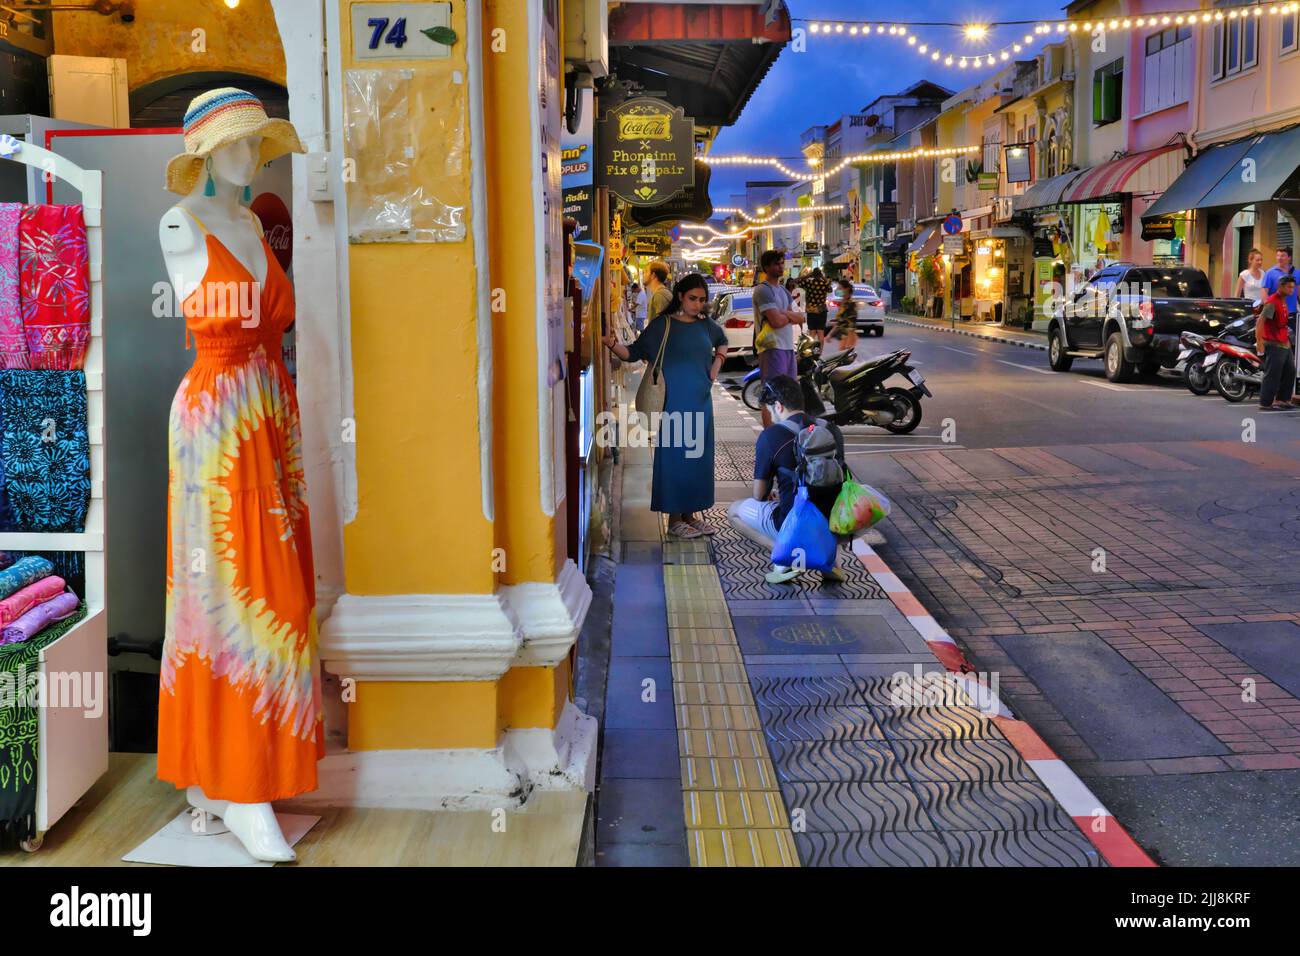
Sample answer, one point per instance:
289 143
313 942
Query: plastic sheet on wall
404 136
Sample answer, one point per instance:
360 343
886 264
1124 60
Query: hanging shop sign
954 246
1159 229
1018 165
402 31
646 151
658 246
691 205
616 241
887 213
988 181
576 168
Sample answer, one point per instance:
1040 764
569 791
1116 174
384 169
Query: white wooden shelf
73 748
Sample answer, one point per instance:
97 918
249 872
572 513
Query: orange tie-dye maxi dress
239 705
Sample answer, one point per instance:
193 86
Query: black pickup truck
1131 316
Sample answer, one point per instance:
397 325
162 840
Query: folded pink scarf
13 341
40 617
16 605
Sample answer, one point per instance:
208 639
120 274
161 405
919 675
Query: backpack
814 451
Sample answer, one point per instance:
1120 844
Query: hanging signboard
954 245
646 151
576 170
657 246
887 212
1158 229
691 205
988 181
1019 168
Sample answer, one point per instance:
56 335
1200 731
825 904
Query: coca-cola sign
646 151
277 225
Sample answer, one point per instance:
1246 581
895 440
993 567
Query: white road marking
1030 368
851 449
962 351
1109 386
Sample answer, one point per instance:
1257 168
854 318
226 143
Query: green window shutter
1097 86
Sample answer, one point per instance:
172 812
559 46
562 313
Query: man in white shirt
638 306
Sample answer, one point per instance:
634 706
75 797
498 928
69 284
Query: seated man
759 518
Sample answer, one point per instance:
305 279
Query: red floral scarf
54 273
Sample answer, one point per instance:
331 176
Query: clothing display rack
73 748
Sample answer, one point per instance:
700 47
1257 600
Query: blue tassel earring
248 195
210 187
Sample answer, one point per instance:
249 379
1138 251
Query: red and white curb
1040 346
1089 814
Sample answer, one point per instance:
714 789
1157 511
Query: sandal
702 526
680 529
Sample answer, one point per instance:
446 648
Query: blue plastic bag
805 539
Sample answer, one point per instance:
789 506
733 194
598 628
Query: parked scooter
860 397
1192 357
810 368
1231 362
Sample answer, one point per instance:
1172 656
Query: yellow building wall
533 542
162 41
950 130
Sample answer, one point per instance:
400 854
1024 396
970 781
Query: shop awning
1215 177
706 58
1008 232
1147 172
926 234
1046 192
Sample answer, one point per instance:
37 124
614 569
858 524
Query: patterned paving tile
934 723
806 691
962 761
727 809
997 805
832 760
855 806
727 773
900 849
818 723
1021 848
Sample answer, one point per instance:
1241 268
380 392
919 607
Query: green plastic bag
857 507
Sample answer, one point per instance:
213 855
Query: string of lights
1042 29
740 233
859 158
761 218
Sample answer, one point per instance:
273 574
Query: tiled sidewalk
752 724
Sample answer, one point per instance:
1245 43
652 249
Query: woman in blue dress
693 355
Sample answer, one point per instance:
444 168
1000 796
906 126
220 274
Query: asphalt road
1122 558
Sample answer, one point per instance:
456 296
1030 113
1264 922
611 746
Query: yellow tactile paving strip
733 808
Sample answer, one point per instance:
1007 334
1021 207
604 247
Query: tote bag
653 390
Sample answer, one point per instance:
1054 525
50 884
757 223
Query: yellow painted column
422 524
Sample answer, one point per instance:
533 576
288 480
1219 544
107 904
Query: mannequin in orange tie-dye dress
239 717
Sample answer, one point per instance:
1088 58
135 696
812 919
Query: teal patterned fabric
23 572
45 449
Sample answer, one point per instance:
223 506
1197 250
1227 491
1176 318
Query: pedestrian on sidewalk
639 305
656 287
843 334
816 290
1250 283
1274 342
693 354
774 308
1274 275
776 470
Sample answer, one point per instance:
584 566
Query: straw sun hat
218 118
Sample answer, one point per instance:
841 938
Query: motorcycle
860 397
1192 357
813 372
1231 361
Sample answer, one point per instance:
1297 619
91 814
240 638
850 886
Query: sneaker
873 538
780 574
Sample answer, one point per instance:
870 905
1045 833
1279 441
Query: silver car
871 309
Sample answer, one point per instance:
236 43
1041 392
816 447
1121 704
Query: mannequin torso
185 247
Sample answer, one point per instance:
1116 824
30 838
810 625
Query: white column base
465 778
444 637
550 615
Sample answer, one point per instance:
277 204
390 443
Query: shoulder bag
652 393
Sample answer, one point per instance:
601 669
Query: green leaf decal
444 35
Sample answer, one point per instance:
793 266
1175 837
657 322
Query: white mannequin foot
253 823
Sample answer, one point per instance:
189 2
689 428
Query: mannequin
239 714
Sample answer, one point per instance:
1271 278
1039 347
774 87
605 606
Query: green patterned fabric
19 729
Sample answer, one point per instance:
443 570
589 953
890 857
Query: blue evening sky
841 74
